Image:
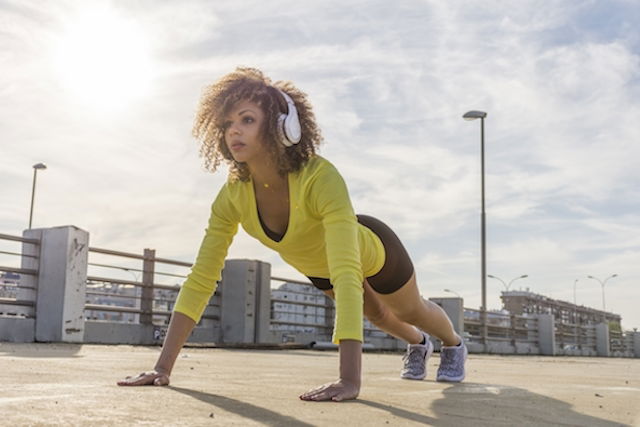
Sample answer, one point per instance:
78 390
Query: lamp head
39 166
474 114
524 276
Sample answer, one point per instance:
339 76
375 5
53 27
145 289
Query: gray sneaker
452 363
415 360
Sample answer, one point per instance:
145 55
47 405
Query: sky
104 93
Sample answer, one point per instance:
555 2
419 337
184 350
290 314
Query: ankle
420 339
454 341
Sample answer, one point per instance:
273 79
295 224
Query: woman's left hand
336 391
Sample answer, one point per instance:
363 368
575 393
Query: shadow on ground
486 404
35 350
243 409
464 404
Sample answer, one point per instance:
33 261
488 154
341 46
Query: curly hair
250 84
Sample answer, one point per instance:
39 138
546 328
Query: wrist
353 381
350 361
162 370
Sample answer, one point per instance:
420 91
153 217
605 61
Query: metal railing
18 284
298 306
501 327
572 338
620 343
310 310
143 301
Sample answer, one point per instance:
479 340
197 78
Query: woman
296 203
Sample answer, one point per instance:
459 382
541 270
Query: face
243 132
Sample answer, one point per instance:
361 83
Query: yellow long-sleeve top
323 239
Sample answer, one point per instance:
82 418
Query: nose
233 129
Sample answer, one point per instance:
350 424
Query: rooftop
75 385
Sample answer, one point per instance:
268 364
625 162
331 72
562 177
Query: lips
237 145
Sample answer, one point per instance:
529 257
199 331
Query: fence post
146 300
602 340
454 308
28 284
62 279
245 310
546 334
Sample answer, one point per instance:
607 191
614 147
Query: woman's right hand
146 378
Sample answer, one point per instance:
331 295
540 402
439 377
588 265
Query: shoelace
449 358
413 358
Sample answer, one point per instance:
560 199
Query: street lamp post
507 286
602 283
453 292
575 315
473 115
33 189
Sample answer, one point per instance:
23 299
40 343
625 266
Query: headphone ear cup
289 124
292 125
280 128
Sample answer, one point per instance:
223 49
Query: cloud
389 83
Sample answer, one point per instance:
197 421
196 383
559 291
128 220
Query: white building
304 308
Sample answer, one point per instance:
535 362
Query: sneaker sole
426 358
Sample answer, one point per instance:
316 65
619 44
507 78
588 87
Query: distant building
305 308
300 308
9 284
525 302
111 294
124 295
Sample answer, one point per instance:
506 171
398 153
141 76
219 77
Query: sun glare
103 60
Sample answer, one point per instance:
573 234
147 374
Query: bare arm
351 361
180 328
348 386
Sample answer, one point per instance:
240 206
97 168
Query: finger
318 389
311 393
325 395
127 381
319 395
141 379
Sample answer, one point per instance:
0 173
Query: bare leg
408 306
376 312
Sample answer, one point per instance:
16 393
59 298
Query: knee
378 316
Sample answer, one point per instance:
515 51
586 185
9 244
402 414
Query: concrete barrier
246 302
61 283
244 310
17 329
546 334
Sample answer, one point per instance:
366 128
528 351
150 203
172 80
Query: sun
103 59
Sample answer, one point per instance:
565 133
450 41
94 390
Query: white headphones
288 125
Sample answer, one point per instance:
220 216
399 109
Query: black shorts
397 268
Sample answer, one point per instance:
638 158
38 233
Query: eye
248 119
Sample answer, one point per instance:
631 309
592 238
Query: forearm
180 328
351 361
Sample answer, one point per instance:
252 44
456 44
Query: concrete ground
44 384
